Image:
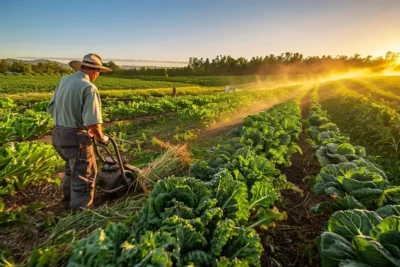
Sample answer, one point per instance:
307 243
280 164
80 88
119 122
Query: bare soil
30 229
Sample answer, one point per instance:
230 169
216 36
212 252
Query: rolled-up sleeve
91 113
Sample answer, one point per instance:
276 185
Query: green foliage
19 127
232 196
49 256
333 249
370 121
332 153
388 210
23 163
365 238
352 180
181 238
351 223
38 83
6 259
372 252
6 102
187 221
365 184
186 198
102 248
354 237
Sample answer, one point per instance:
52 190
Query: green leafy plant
24 163
361 236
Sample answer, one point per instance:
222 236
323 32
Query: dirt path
236 119
291 243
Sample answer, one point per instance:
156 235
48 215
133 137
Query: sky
175 30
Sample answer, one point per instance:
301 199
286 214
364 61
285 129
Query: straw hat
89 60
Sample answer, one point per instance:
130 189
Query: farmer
76 109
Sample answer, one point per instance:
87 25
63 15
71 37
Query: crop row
15 126
364 230
47 83
38 83
197 108
387 94
29 99
389 84
375 126
206 219
22 164
18 123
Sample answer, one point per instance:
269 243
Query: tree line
23 67
286 63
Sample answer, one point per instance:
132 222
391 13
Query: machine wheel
130 176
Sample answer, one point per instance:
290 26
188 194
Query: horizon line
114 59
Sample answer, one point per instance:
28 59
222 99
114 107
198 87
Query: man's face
95 74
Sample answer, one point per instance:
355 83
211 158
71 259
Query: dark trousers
75 147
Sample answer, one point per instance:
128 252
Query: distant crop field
47 83
30 83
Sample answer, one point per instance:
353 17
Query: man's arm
96 131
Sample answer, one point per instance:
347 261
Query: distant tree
112 65
4 66
390 56
19 66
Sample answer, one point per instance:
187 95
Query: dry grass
83 223
173 161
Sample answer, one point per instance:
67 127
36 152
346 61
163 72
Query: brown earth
29 230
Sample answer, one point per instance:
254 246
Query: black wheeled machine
114 177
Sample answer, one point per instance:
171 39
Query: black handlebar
96 145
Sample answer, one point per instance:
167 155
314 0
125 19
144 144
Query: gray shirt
76 102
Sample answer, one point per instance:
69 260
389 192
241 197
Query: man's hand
104 140
90 133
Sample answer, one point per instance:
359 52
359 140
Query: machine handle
105 147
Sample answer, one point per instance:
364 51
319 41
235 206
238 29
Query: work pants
75 147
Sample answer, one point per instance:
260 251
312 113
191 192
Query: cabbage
346 149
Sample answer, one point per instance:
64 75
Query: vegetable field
290 174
